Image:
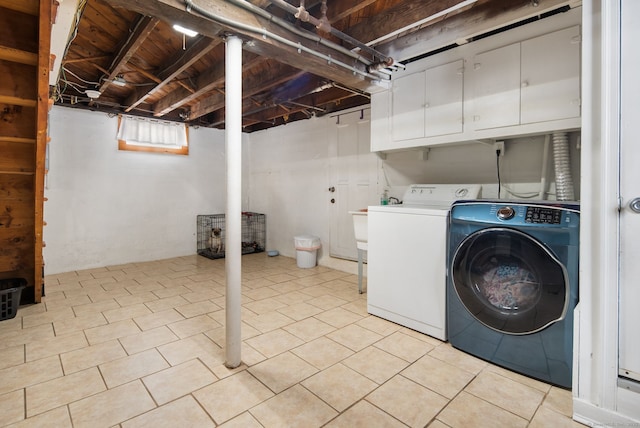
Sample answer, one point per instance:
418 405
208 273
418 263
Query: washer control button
505 213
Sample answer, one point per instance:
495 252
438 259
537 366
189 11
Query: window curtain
154 133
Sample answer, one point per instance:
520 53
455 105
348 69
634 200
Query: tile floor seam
322 282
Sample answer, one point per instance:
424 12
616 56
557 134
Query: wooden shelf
6 99
16 55
9 172
30 7
18 140
25 51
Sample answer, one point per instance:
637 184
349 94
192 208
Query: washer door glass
509 281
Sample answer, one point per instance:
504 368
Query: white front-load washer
406 280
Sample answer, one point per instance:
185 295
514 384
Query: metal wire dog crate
212 233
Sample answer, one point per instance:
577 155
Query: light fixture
184 30
92 93
119 81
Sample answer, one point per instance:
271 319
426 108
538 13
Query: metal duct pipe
302 33
302 14
265 33
564 182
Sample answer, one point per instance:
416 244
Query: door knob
332 189
635 205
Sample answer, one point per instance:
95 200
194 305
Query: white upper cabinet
428 103
524 81
495 79
443 107
550 76
537 80
407 107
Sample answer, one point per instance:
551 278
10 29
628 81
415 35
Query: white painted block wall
108 207
289 180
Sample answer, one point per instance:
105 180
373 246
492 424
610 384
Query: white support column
233 247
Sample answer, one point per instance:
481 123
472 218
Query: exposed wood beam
25 6
184 59
142 29
89 59
173 68
145 73
319 99
99 67
205 82
173 11
493 14
397 17
279 74
340 10
19 101
16 55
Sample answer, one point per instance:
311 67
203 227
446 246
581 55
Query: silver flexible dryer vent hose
561 160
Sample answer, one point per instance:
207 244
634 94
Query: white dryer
406 281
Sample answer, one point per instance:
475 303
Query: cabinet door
551 76
496 88
443 106
408 99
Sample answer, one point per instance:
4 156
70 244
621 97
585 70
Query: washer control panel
543 215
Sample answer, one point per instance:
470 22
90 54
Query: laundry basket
10 291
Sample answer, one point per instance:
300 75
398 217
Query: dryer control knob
505 213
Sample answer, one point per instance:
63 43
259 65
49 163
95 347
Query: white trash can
306 250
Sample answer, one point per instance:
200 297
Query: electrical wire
498 171
78 77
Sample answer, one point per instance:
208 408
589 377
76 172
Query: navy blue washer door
509 281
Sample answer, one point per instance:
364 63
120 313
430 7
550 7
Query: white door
354 180
629 191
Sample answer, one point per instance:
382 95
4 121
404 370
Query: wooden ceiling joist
142 29
16 55
250 85
464 26
266 46
30 7
173 68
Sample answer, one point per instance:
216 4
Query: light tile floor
142 345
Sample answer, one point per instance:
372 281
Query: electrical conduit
545 162
265 33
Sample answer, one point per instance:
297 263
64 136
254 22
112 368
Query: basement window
150 135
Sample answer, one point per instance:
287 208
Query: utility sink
360 222
360 225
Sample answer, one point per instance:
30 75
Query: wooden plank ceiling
128 57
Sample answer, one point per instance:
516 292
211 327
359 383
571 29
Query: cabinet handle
477 65
460 71
476 118
525 83
426 105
